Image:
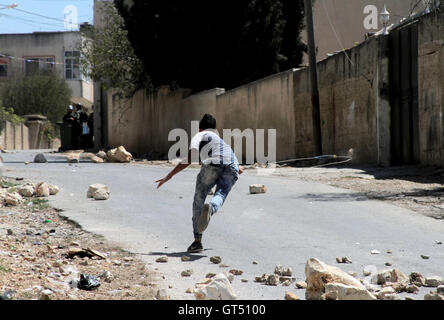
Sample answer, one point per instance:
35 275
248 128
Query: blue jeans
224 178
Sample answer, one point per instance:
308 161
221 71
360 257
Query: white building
42 52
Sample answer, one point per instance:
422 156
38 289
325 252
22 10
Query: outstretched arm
181 166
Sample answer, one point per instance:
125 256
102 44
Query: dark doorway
404 95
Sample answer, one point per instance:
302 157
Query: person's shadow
192 256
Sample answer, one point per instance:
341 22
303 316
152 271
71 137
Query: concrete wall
14 137
353 111
431 89
351 102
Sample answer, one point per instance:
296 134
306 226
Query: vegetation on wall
107 55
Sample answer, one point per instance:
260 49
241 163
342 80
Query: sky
44 15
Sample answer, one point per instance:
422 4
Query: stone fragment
340 291
46 295
42 190
262 278
219 288
101 154
40 158
236 272
375 252
101 194
342 286
162 259
190 290
425 257
186 273
272 280
411 288
385 291
13 199
98 192
440 289
433 282
185 258
210 275
119 155
291 296
417 279
301 285
26 191
257 188
53 189
393 276
107 276
216 259
433 296
73 158
343 260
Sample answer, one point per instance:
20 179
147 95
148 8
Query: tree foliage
47 95
107 55
202 44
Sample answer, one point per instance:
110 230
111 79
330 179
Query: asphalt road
291 223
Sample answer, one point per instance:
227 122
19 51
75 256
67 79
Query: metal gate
404 95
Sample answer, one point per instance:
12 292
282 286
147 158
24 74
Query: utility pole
316 113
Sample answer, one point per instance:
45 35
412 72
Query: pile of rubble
13 194
45 256
323 282
326 282
119 154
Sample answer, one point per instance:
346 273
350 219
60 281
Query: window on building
40 66
72 65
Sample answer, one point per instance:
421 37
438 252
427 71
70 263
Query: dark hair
79 106
207 122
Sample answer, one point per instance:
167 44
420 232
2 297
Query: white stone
257 188
53 189
119 155
339 291
26 191
13 199
42 190
98 192
219 288
319 274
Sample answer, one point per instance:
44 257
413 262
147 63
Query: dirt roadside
417 188
35 262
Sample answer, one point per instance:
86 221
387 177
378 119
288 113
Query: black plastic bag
88 282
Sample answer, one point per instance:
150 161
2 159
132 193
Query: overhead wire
341 44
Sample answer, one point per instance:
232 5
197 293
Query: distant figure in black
69 116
